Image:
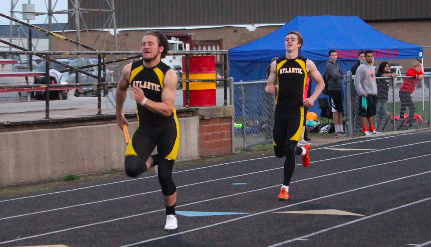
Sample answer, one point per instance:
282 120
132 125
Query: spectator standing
382 91
335 81
366 87
407 88
361 57
354 95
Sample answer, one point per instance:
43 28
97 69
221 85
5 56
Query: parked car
64 76
41 67
22 66
88 90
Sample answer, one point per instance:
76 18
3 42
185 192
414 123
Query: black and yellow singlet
291 81
151 82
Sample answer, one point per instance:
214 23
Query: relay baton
126 133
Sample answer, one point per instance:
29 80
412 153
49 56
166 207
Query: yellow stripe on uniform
174 152
297 135
277 81
304 68
134 72
130 150
160 75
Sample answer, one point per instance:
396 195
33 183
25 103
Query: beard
150 59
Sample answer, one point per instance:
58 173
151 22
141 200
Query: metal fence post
233 117
393 103
348 96
242 100
429 100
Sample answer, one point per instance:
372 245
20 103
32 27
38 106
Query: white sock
304 151
286 187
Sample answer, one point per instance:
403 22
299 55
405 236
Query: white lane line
276 209
130 196
208 181
424 244
321 211
350 149
202 167
207 200
363 140
351 222
129 180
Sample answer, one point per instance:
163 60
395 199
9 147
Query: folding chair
325 109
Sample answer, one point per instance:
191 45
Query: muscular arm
270 85
165 107
317 77
121 94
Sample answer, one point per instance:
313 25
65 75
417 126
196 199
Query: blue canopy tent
345 34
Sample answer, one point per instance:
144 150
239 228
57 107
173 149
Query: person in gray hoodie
365 84
335 79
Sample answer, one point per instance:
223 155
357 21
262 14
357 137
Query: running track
372 191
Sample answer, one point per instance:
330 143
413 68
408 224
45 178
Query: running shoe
303 143
375 132
340 134
305 157
171 222
284 195
366 133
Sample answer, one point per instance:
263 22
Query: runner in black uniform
153 86
288 79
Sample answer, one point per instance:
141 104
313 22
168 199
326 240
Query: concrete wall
36 155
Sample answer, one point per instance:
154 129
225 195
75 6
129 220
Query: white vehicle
176 61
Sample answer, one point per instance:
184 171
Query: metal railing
101 87
392 120
254 110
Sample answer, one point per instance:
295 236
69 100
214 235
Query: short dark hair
163 41
331 51
368 51
361 52
300 39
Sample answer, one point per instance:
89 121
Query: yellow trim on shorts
130 150
297 135
174 152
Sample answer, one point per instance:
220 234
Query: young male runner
287 79
153 86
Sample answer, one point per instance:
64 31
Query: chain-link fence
254 114
254 109
402 103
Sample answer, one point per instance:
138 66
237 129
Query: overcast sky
40 6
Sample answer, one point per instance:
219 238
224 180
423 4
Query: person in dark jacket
382 90
361 57
335 80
